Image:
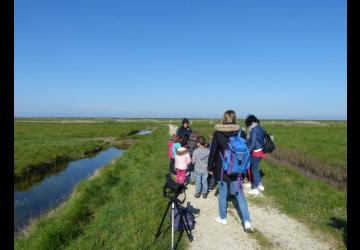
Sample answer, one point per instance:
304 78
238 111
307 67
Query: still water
53 190
144 132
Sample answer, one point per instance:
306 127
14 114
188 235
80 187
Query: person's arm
252 140
212 155
194 157
188 158
173 150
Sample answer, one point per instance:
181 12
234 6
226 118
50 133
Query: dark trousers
212 181
172 166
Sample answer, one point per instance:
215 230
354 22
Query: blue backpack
236 157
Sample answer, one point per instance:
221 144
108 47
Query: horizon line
175 118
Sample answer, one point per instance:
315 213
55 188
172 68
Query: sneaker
254 191
247 227
197 195
261 187
221 221
205 195
247 185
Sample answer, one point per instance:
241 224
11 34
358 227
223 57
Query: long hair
250 119
229 117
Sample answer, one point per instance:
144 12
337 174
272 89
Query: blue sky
276 59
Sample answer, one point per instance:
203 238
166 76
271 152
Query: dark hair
201 140
185 121
183 142
250 119
178 138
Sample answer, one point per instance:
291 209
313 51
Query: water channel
51 191
47 194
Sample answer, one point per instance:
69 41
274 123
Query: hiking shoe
261 187
221 221
247 227
205 195
247 185
254 191
197 195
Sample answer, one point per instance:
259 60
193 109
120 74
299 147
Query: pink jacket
182 158
170 144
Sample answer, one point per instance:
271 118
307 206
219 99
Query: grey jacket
200 158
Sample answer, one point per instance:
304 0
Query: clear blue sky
181 58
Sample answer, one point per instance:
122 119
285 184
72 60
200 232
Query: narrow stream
51 191
144 132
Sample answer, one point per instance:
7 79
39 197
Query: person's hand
211 173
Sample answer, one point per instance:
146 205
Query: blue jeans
255 161
239 194
201 178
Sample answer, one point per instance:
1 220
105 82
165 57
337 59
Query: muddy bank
335 176
36 173
124 143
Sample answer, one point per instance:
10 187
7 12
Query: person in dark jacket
221 136
185 130
255 137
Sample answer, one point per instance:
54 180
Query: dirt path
273 229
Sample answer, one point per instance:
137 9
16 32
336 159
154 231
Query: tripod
174 201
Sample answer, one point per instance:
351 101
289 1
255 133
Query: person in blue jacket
255 137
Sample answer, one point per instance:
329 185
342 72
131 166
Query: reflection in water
144 132
53 189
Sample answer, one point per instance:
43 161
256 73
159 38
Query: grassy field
121 208
317 147
38 142
327 143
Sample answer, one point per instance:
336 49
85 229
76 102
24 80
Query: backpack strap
239 133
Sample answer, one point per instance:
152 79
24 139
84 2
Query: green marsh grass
327 143
38 143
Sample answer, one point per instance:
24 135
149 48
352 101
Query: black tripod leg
184 222
163 219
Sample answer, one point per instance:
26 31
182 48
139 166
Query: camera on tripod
171 189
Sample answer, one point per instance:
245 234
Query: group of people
191 157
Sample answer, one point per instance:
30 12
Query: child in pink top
182 159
